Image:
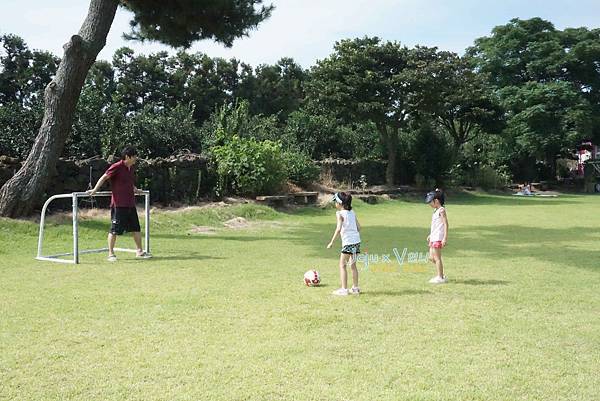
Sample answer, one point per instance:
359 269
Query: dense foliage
518 100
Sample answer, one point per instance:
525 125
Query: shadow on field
480 282
217 236
507 200
546 244
497 242
187 256
397 293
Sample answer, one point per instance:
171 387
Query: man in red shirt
122 203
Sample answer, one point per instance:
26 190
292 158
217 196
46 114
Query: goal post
75 207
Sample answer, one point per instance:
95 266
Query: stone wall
189 178
177 179
349 171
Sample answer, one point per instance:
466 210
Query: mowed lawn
226 316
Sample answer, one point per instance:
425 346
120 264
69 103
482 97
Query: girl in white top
438 235
349 228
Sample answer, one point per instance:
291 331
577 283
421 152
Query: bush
235 119
246 166
300 168
485 176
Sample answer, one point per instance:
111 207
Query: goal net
74 256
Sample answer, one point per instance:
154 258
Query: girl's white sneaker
355 291
340 291
112 258
438 280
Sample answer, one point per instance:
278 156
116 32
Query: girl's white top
437 225
350 235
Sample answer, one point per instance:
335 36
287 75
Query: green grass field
227 317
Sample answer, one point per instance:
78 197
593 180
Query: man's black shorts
124 219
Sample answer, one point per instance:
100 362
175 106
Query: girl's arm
357 224
338 228
445 217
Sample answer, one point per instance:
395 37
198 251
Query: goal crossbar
75 206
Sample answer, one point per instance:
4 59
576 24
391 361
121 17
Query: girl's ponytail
439 194
346 200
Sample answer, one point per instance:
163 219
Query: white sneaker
439 280
112 258
340 291
355 291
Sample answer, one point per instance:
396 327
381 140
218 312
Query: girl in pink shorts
439 233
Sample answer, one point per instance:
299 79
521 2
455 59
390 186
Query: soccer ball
312 278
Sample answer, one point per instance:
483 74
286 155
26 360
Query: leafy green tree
582 47
461 100
154 130
548 82
364 81
141 79
431 153
274 89
175 23
209 82
18 126
23 73
519 52
322 135
546 119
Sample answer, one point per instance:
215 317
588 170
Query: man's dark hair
128 151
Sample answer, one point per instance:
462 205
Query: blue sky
307 29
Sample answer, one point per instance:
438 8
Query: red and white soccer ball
312 278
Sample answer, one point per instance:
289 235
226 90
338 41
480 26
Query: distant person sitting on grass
525 190
348 227
438 234
123 213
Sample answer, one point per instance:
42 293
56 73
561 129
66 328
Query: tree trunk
22 192
391 138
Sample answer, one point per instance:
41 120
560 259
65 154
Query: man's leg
112 234
112 238
133 226
137 237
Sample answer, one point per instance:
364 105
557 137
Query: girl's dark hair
128 151
439 194
346 200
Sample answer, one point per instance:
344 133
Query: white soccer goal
76 252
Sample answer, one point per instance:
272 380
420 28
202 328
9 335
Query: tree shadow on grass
497 242
217 236
508 200
396 293
479 282
186 256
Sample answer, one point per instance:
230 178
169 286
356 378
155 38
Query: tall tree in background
23 75
548 81
460 99
176 23
274 89
519 52
364 80
23 72
546 121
